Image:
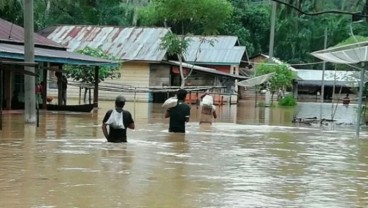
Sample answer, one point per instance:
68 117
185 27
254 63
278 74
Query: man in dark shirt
62 82
179 114
118 121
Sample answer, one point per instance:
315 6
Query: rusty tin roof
14 33
216 50
130 43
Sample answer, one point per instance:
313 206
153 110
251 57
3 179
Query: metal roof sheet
14 51
212 42
15 33
314 77
310 74
220 50
229 56
131 43
206 70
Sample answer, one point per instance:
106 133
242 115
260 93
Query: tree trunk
180 57
85 95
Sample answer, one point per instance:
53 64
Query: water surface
250 157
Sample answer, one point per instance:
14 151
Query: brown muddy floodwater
251 157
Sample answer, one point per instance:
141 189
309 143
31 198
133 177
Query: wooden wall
159 75
132 74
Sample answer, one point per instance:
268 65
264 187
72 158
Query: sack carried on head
207 101
171 102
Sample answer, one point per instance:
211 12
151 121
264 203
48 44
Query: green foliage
86 74
251 23
174 44
288 100
296 35
282 78
187 16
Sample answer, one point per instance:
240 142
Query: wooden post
80 93
8 88
1 98
60 86
89 96
95 92
190 97
44 89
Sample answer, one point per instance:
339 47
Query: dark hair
181 94
120 101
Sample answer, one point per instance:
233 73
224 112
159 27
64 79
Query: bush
288 100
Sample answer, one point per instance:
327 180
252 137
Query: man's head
181 94
120 101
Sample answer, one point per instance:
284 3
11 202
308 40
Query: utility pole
323 81
272 31
29 81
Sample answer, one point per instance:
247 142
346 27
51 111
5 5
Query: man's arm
104 130
214 114
128 120
167 113
131 126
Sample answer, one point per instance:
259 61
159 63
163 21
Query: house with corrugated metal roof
307 86
336 84
147 73
49 56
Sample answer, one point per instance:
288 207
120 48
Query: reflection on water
250 157
344 114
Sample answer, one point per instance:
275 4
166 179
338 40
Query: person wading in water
178 114
118 121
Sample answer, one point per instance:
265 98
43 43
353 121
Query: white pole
323 80
360 100
29 81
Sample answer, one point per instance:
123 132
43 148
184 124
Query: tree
185 17
282 78
85 74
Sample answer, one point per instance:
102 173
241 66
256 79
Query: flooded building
336 85
49 56
148 74
250 93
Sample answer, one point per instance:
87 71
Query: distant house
337 82
49 55
252 66
147 73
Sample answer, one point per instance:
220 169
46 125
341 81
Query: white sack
171 102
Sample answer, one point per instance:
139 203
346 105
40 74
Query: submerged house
252 66
49 56
336 84
147 73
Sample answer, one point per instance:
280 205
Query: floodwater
250 157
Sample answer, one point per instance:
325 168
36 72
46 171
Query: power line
322 12
301 64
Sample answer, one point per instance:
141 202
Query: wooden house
251 66
147 73
336 85
49 56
